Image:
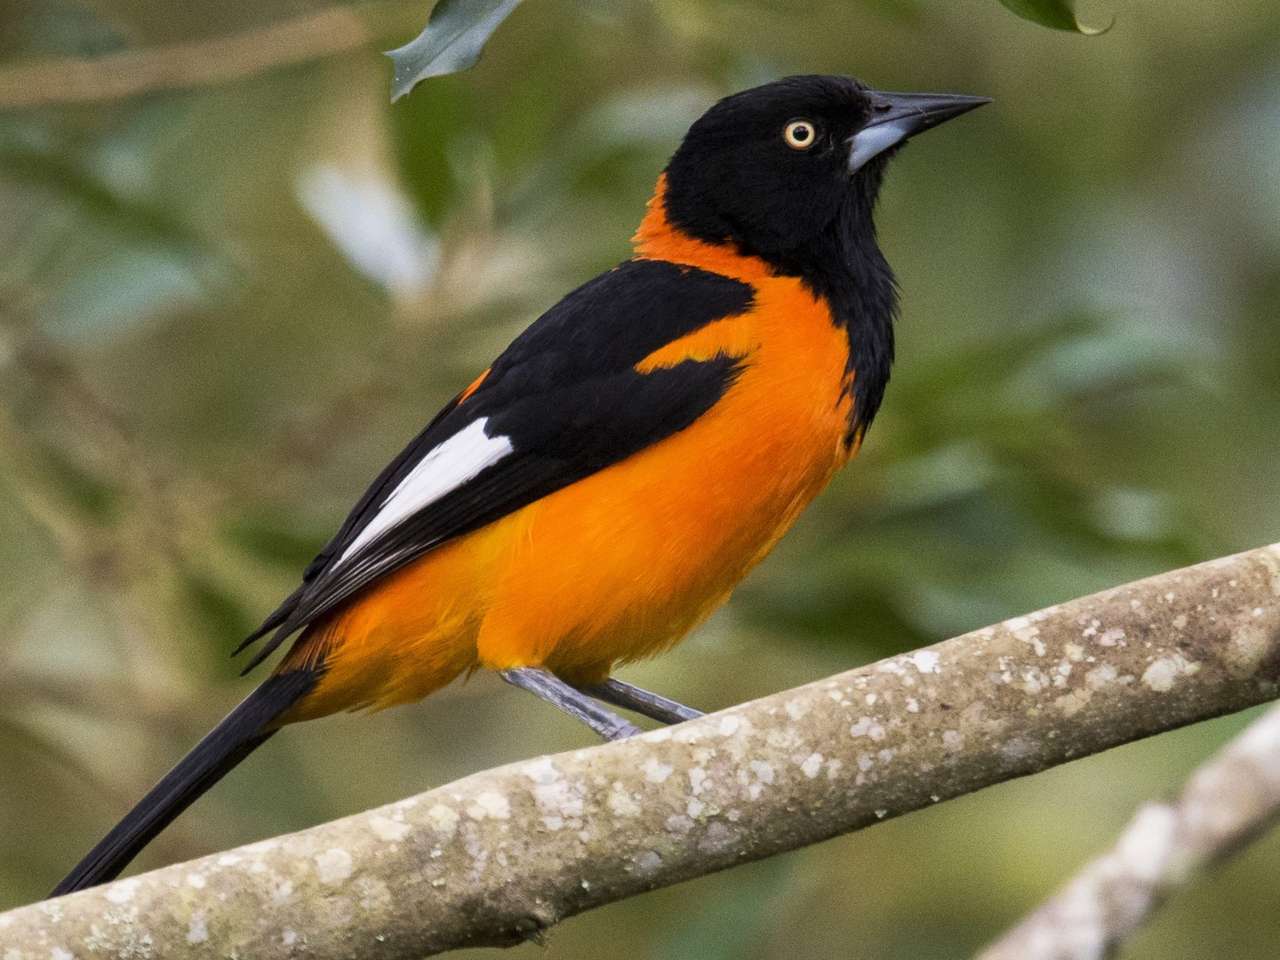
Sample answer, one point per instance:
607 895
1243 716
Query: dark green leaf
1058 14
220 615
54 28
276 540
98 498
142 220
453 39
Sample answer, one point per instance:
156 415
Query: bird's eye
800 134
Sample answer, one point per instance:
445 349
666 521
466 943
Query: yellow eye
800 134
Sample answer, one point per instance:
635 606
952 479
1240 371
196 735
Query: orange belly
623 563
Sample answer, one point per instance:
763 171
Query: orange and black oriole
604 485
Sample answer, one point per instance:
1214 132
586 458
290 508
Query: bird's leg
643 702
546 685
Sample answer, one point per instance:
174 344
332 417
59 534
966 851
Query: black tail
242 731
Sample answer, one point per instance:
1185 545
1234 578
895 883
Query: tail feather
241 732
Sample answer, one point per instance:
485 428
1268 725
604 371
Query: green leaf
1058 14
99 499
218 613
452 40
276 539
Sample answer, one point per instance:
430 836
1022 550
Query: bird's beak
897 116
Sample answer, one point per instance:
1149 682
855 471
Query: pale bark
505 854
1227 802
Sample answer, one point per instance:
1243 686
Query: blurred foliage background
223 308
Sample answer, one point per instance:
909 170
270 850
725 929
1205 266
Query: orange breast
622 564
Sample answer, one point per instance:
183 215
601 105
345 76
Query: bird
605 483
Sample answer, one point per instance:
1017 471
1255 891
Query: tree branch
503 855
1227 802
181 65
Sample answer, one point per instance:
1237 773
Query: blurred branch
1228 801
503 855
181 65
102 428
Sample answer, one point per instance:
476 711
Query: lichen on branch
502 855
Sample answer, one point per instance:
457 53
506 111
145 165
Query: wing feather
562 402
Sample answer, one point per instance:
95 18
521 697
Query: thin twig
1228 801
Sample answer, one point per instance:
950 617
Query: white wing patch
442 469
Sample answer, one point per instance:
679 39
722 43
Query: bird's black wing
562 402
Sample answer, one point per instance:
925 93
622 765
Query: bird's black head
774 168
789 172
